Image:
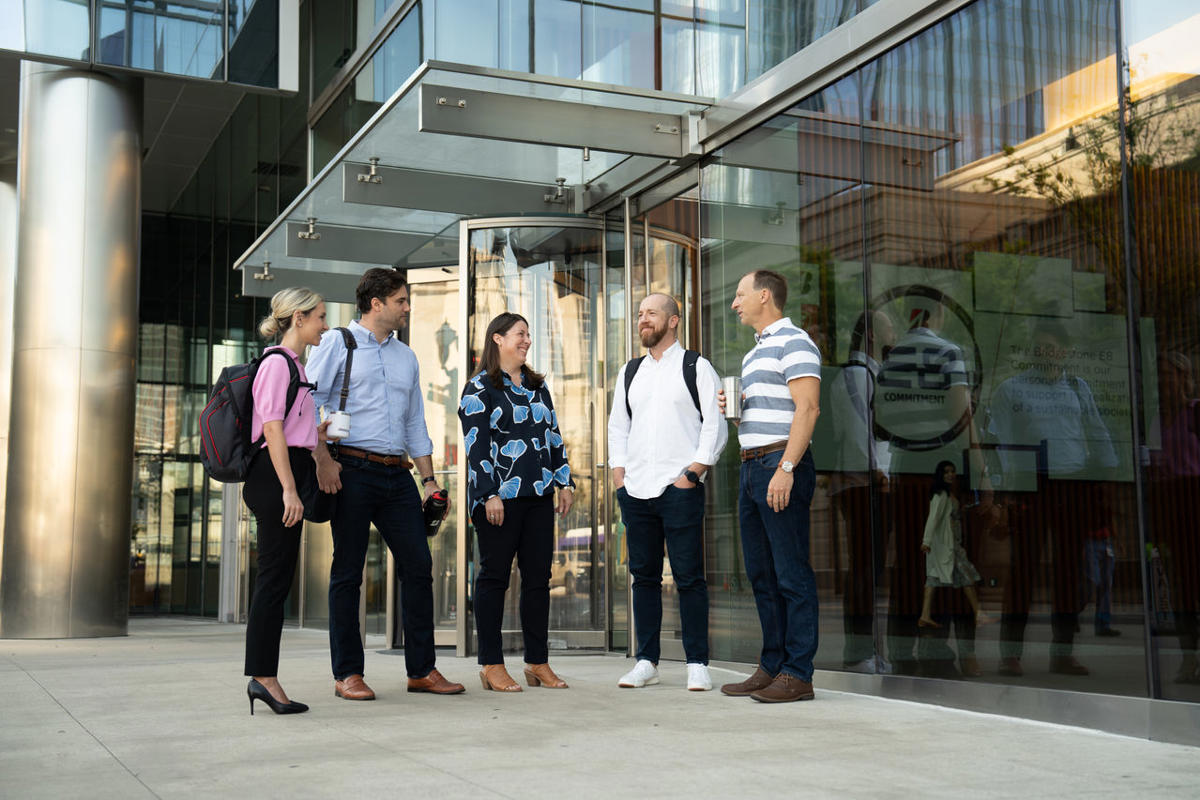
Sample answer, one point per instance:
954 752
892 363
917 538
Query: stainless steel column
8 275
67 520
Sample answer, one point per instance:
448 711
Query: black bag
318 506
225 447
321 506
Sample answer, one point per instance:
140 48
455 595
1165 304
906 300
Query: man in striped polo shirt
781 387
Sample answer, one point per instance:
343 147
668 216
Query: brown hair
774 283
490 361
381 282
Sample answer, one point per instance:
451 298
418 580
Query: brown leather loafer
785 689
353 687
1068 665
435 683
761 679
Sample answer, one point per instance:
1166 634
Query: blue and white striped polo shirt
783 354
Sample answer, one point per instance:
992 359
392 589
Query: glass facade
211 39
989 230
193 322
989 237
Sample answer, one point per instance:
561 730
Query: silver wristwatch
787 466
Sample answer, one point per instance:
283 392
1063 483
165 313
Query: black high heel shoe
256 691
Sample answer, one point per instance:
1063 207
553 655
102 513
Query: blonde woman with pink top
281 469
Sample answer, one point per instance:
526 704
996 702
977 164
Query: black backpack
225 447
690 357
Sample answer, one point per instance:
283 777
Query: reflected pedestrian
946 562
516 458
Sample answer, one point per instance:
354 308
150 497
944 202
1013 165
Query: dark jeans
1055 519
775 549
674 519
388 497
528 534
278 549
866 553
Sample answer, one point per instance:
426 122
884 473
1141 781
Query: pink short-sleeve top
270 401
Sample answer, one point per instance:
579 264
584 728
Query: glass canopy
453 142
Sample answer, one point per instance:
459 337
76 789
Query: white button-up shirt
666 433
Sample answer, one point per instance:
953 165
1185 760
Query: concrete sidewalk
163 713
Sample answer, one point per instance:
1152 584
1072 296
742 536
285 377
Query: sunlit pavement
163 713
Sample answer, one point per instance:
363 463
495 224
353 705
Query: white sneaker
698 678
644 673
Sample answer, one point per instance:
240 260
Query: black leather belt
752 453
375 458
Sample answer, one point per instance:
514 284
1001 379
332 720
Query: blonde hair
284 305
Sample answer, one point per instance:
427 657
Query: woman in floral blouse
515 459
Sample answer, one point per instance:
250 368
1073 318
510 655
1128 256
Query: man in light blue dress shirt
370 472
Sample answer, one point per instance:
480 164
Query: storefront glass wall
193 321
952 223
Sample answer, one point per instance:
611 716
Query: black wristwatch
428 479
692 476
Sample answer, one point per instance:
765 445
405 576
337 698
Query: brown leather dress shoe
542 675
785 689
353 687
761 679
1068 665
435 683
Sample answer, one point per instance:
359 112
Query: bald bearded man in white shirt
660 446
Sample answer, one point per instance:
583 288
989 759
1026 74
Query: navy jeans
775 550
674 519
388 497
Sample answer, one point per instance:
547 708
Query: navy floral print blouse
514 448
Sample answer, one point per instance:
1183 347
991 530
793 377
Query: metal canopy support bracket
364 245
399 187
492 115
333 287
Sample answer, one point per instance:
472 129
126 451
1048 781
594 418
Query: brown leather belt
375 458
758 452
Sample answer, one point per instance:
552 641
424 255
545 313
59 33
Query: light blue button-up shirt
387 412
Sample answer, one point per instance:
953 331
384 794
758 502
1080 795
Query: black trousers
278 549
528 534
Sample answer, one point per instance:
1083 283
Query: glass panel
439 351
392 64
466 43
995 253
617 338
177 38
514 34
786 197
333 40
551 276
720 47
618 46
254 42
556 38
678 56
1164 189
778 28
57 28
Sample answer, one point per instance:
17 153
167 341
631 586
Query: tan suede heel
496 678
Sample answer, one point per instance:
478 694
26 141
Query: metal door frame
464 638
